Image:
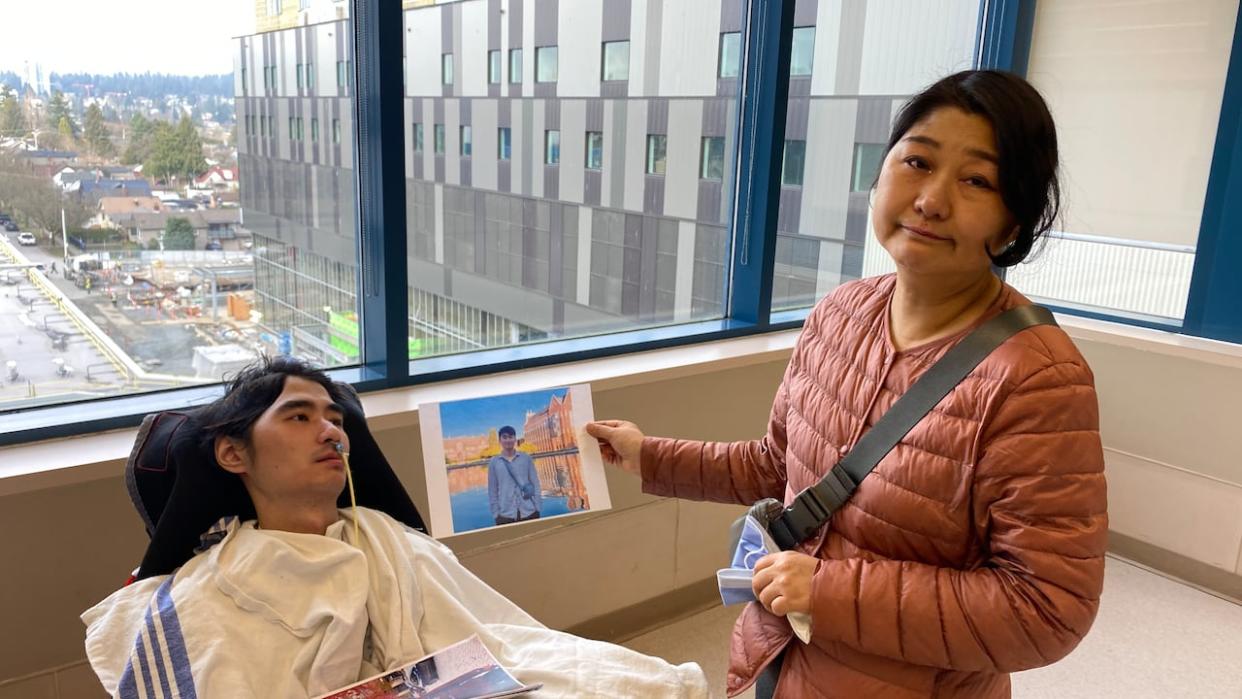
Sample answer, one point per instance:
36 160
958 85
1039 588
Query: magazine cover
464 670
509 459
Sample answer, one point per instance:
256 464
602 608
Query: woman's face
937 207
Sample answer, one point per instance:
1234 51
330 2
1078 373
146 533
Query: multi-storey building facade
569 162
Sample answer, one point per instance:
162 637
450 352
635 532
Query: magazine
464 670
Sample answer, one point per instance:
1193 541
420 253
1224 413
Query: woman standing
975 548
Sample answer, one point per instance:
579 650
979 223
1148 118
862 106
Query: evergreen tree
138 146
95 133
12 117
66 130
178 234
58 112
175 152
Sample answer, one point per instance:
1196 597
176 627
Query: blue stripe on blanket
168 634
176 642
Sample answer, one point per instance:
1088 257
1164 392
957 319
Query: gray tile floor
1154 638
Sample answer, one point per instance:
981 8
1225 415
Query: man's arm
493 488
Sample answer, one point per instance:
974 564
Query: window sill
59 462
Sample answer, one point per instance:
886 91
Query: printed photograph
510 459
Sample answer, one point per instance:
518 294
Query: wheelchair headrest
180 491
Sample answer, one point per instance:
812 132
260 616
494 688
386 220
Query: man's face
292 455
508 441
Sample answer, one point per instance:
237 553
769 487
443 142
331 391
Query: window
466 144
314 130
273 7
503 146
730 54
594 150
340 74
868 157
438 138
271 126
551 147
418 138
795 159
616 61
515 66
262 126
493 67
657 153
292 131
802 56
711 159
545 64
298 72
336 130
446 69
310 76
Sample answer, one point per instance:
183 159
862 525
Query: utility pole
64 235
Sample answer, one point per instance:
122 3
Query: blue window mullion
761 136
380 191
1005 28
1214 307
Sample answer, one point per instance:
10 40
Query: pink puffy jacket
974 549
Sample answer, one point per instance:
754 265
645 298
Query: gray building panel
653 195
547 16
616 21
617 135
850 46
872 125
805 12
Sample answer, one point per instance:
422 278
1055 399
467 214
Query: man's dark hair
251 392
507 430
1026 145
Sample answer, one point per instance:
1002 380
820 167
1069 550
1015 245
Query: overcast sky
133 36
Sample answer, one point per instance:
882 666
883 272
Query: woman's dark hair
1026 144
251 392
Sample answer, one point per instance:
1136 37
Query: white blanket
276 614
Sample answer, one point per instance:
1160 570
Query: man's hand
782 582
620 443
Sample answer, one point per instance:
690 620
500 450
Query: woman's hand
782 582
620 442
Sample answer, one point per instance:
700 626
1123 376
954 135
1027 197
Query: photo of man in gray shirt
513 487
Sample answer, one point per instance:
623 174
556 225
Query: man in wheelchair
261 581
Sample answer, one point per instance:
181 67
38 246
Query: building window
446 69
493 67
730 54
867 160
467 146
503 143
271 126
340 74
515 66
243 79
336 131
314 130
418 138
273 7
711 159
657 153
594 150
802 55
310 76
292 131
616 61
437 137
794 162
262 126
298 71
545 64
551 147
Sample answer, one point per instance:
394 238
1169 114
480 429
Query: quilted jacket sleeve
1040 504
731 472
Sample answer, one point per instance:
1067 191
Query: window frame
465 141
504 143
802 31
515 61
764 55
603 62
494 69
586 164
540 77
547 147
446 69
656 166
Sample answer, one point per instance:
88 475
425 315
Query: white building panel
579 27
681 179
573 150
908 45
473 49
638 43
535 131
287 49
684 283
612 158
528 49
429 138
689 36
409 137
422 50
347 132
483 169
635 154
826 174
325 59
827 48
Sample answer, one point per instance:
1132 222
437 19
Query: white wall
473 49
910 45
422 46
688 48
578 31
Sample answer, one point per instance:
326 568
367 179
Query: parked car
26 238
214 245
10 226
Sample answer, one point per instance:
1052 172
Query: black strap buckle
811 509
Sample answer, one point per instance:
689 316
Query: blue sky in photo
479 415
